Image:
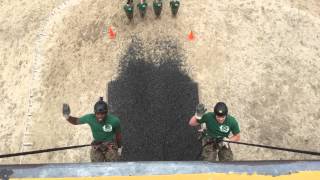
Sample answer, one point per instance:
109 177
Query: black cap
221 109
101 106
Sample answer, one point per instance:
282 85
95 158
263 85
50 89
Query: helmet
101 106
221 109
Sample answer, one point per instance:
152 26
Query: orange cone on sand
112 34
191 36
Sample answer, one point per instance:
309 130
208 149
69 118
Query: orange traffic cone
112 34
191 36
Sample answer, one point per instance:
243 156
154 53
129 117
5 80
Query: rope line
42 151
206 144
259 145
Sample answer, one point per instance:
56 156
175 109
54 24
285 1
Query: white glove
119 151
203 127
225 144
200 111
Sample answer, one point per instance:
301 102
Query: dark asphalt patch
154 98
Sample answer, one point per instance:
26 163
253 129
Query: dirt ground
261 57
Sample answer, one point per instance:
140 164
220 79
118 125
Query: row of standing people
157 7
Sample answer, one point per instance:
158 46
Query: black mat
155 98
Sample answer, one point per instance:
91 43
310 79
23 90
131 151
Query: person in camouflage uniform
216 127
106 131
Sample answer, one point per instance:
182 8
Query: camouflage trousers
211 151
104 152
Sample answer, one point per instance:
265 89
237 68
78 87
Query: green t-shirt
128 8
142 6
102 131
174 4
157 4
216 130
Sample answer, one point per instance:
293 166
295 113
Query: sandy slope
261 57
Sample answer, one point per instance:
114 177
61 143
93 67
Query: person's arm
197 118
235 129
118 134
73 120
193 121
66 113
119 139
235 137
119 143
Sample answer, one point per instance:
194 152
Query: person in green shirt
106 131
142 6
157 7
217 127
174 4
128 8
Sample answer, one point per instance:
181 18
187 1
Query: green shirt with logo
104 131
142 6
216 130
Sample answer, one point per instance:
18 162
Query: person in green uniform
142 6
217 127
174 4
128 8
157 7
106 131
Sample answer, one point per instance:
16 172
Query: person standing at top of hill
216 127
106 131
128 8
